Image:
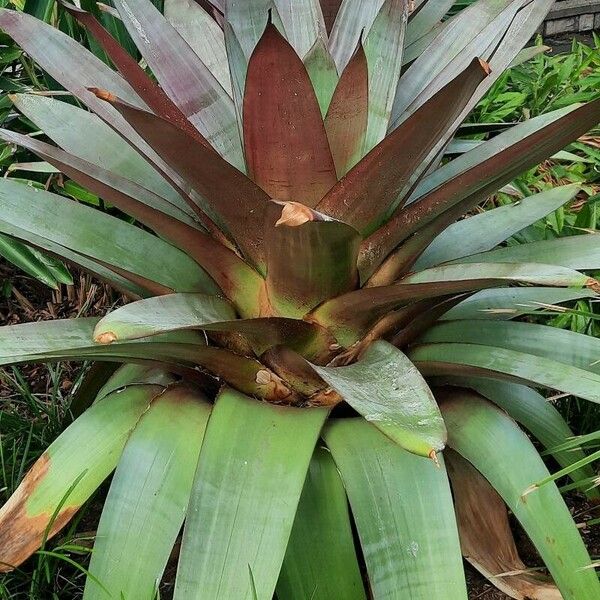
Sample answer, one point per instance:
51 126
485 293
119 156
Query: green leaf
22 257
423 20
248 21
536 414
309 259
322 72
353 17
503 454
503 303
148 497
97 235
76 463
404 514
238 68
162 314
575 252
245 497
389 392
561 345
63 123
303 23
383 48
184 77
320 561
491 361
203 34
174 312
488 229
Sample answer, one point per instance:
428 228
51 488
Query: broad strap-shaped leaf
322 73
352 314
133 374
98 236
184 77
477 430
63 123
238 68
144 86
423 20
310 258
403 511
503 304
471 33
486 230
499 363
132 198
244 498
72 339
303 22
148 497
456 196
561 345
320 561
285 143
68 473
376 185
248 21
486 538
224 189
388 391
575 252
383 49
353 17
173 312
534 413
348 113
75 69
198 28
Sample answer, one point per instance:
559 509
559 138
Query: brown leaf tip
434 457
107 337
294 214
103 94
485 66
593 284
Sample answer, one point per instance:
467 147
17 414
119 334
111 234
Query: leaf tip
485 66
102 94
107 337
434 457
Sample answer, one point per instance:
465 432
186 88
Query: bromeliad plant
313 323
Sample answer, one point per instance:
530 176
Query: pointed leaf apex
107 337
434 457
593 284
295 214
485 66
103 94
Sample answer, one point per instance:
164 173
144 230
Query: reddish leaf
348 113
286 146
383 178
232 275
231 198
145 87
309 260
432 213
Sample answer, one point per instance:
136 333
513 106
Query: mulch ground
30 301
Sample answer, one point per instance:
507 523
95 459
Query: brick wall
572 16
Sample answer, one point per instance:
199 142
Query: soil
28 300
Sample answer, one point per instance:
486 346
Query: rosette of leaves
319 346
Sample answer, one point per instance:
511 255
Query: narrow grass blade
148 497
404 514
320 561
244 498
477 430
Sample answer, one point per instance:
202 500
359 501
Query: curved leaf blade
148 497
476 430
390 393
403 511
244 498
